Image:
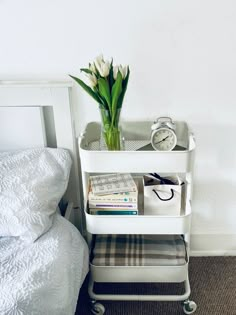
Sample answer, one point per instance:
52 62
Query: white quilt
44 277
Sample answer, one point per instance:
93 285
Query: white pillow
32 183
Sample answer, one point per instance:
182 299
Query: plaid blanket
139 250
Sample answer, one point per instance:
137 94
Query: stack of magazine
113 194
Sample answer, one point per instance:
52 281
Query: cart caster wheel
97 309
189 307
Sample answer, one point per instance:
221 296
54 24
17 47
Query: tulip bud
93 68
123 71
105 69
115 72
98 61
92 80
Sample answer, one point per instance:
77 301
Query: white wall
182 56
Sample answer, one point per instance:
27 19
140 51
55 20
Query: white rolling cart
94 161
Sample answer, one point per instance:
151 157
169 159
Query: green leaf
111 78
86 88
86 70
103 102
116 92
124 87
104 91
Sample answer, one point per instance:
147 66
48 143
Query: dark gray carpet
213 285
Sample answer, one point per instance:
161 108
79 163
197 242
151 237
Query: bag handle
162 199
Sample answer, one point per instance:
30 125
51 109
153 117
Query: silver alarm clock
163 135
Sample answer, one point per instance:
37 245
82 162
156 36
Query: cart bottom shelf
139 273
139 258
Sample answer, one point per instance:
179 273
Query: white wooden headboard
37 114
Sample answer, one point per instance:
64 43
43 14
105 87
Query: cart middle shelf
139 224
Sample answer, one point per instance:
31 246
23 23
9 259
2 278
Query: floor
213 285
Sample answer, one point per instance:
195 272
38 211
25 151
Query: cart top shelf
138 155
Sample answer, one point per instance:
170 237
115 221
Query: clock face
163 139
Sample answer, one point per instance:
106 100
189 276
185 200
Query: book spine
100 192
131 197
112 212
121 200
113 205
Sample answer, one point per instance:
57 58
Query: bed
43 277
43 256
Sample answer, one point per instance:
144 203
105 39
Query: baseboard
213 245
212 253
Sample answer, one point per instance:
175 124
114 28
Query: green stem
110 129
112 138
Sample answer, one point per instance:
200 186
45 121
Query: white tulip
93 68
115 72
92 80
123 71
98 61
99 58
104 69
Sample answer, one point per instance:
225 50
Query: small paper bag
162 196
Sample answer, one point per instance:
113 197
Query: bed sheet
43 277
